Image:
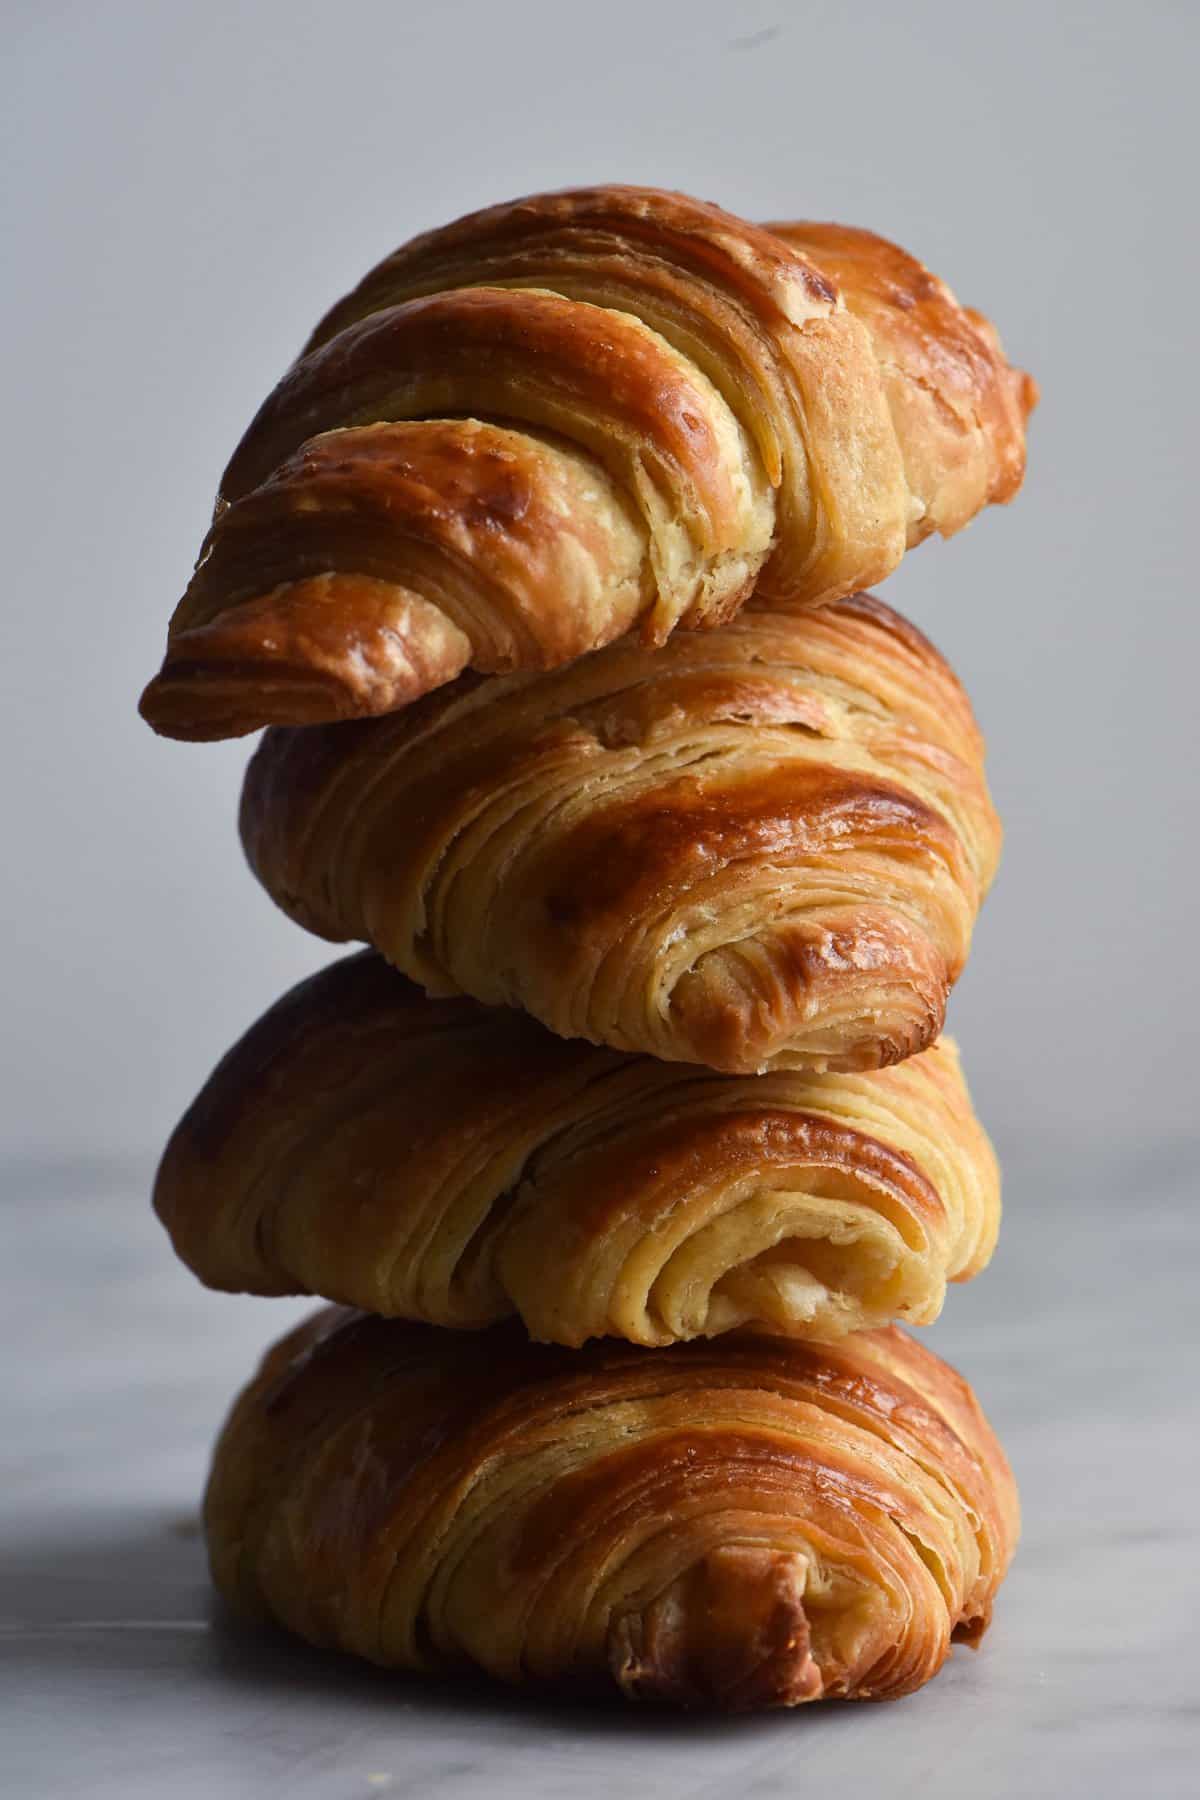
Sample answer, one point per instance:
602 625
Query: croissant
757 848
439 1160
731 1525
556 419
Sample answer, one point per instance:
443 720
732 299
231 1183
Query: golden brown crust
764 324
376 563
731 1526
695 386
958 408
438 1160
757 848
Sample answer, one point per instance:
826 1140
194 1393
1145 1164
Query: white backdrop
189 184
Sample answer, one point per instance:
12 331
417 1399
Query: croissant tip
729 1635
203 698
153 711
188 723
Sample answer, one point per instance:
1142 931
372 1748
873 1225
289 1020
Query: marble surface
118 1681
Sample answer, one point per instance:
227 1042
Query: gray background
187 186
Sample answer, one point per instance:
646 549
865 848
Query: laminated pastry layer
727 1525
562 419
439 1160
763 847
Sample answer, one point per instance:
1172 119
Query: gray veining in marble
118 1682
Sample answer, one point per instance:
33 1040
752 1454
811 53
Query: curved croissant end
839 1515
957 407
554 420
757 848
439 1160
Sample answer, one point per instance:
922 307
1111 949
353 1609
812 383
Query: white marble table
117 1682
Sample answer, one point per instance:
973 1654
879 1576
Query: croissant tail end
205 700
171 710
307 652
1028 392
730 1634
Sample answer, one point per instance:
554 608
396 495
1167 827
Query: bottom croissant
735 1524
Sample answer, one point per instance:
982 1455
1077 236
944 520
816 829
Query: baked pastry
757 848
439 1160
529 431
730 1525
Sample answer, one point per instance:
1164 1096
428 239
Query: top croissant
559 419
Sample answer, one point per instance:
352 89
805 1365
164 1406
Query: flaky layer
438 1160
551 420
757 848
737 1525
957 409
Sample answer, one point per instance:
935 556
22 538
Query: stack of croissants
628 1139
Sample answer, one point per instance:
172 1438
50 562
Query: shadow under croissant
269 1659
76 1607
